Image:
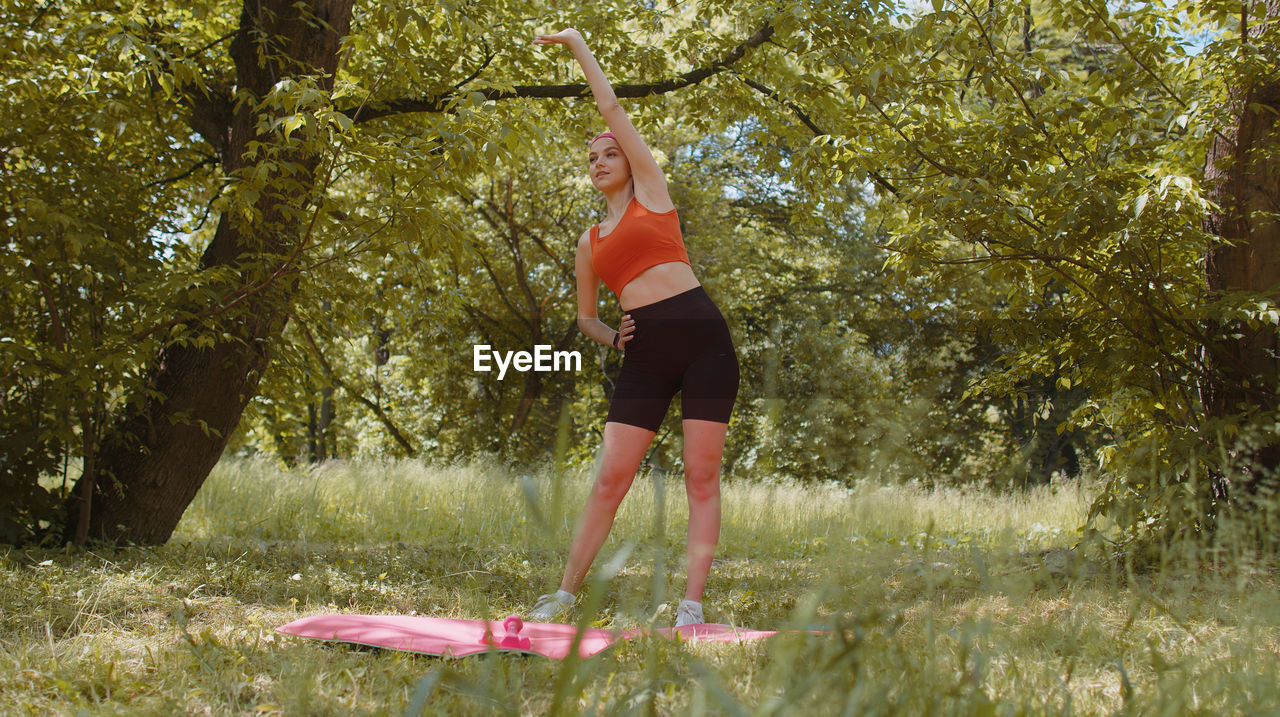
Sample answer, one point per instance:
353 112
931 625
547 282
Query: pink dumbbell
512 640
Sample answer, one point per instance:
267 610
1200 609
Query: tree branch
206 162
396 434
444 102
813 127
488 57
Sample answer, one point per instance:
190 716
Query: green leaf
1140 204
291 123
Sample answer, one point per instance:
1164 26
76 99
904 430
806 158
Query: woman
672 334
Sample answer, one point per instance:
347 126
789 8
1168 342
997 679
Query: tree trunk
155 458
328 446
1242 175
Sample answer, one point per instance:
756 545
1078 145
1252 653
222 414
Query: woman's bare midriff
656 283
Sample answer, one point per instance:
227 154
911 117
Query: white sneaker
689 613
549 607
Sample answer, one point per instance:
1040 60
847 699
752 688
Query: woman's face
607 164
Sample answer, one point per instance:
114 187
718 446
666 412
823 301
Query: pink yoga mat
456 638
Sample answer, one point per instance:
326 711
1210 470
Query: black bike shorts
680 343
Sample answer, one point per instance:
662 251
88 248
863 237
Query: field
933 601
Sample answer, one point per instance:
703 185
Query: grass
935 601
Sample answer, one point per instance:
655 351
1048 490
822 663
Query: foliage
93 258
1054 151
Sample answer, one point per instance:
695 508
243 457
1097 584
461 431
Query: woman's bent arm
588 297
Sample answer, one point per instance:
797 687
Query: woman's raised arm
651 184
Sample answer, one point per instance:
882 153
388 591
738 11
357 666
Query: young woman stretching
674 338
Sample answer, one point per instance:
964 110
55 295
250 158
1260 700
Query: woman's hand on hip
625 331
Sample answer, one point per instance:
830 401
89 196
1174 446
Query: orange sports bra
640 240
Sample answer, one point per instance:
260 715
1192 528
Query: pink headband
602 134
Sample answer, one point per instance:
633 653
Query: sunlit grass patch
892 599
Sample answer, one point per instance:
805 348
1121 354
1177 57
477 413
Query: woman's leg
703 448
624 447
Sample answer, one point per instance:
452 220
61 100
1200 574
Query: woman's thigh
620 456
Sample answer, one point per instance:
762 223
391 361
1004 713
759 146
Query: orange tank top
640 240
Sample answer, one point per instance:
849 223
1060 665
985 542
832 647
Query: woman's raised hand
564 37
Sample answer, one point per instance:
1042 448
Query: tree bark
155 458
1242 175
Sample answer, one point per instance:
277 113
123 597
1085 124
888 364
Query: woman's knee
702 482
612 485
